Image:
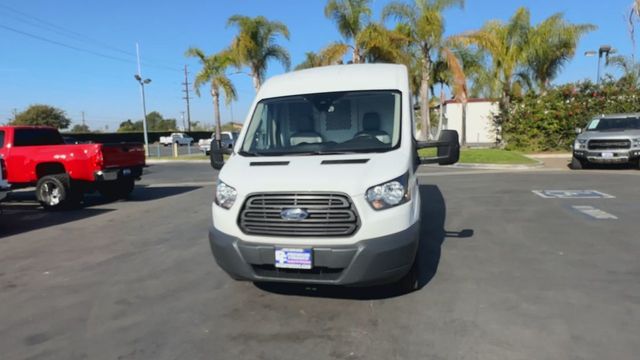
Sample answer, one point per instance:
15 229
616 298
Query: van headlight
389 194
225 195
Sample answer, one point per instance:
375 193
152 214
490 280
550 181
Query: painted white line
572 194
594 213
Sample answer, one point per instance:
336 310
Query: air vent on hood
345 161
269 163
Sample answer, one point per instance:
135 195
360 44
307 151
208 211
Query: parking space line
594 212
572 194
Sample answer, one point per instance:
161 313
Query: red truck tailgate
123 155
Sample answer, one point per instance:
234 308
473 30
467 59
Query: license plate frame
294 258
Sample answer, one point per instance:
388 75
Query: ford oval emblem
294 214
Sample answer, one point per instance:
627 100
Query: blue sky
34 71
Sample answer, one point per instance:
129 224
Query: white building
480 127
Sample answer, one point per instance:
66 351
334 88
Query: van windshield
325 123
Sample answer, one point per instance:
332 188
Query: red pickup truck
37 156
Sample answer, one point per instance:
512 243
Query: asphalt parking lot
506 273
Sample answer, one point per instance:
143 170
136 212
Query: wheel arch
49 168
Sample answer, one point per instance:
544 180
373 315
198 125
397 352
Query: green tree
42 115
351 17
156 122
630 70
214 72
550 45
255 45
130 126
80 128
425 24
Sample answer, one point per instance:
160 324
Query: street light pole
144 111
138 77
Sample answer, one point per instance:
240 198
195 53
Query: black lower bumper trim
374 261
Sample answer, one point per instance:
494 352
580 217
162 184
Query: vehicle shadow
141 193
625 166
25 216
21 212
432 236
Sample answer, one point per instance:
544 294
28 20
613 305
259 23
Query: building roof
350 77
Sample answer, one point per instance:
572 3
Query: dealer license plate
291 258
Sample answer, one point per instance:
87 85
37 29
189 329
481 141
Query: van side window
1 139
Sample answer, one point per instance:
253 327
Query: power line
49 26
63 44
76 48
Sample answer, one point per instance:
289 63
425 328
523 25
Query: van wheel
119 189
55 192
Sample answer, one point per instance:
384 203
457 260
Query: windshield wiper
248 153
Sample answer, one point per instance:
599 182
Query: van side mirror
216 154
448 146
578 130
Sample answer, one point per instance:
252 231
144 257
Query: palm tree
630 69
507 44
214 72
447 70
351 17
255 45
425 23
551 44
330 55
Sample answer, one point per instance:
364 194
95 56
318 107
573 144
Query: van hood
352 174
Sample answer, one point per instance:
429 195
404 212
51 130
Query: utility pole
186 97
82 118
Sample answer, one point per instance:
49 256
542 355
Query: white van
321 185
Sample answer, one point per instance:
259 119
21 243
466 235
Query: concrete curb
549 156
537 165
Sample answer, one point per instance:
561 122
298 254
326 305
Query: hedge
544 122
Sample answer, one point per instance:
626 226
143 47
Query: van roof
352 77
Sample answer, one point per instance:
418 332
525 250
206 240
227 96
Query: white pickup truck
321 186
176 138
227 138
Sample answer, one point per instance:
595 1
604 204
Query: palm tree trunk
424 96
216 112
257 82
441 112
356 55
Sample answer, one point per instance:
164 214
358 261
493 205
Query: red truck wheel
55 192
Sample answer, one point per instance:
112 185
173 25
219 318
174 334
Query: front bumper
374 261
114 174
596 156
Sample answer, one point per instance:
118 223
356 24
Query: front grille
609 144
329 215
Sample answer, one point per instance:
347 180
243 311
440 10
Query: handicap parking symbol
572 194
